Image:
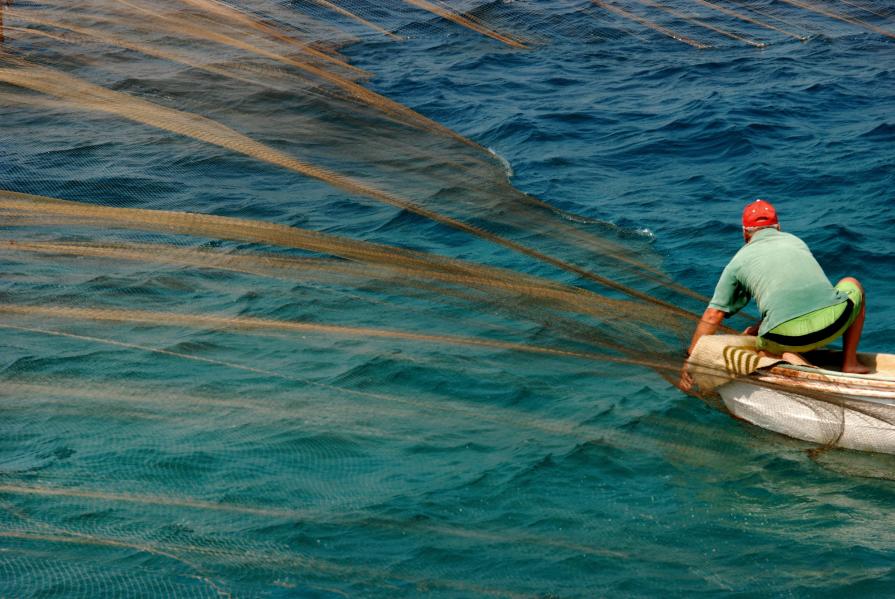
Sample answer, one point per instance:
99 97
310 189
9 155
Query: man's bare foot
855 368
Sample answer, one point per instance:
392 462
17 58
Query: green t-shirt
779 271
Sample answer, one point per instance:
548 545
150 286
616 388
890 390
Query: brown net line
749 19
526 212
260 30
549 302
569 297
327 77
93 97
689 18
556 307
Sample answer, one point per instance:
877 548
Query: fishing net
250 305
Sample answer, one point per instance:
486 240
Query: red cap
759 214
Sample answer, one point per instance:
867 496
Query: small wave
882 132
621 230
583 220
507 167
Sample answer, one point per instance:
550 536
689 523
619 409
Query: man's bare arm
708 325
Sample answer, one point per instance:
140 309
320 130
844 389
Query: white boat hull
864 423
817 404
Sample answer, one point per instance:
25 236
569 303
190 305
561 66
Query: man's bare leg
787 356
851 338
794 358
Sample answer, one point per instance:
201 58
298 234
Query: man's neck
762 231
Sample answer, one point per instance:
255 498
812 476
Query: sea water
345 466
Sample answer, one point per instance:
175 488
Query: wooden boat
817 404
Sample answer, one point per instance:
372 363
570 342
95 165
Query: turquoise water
178 459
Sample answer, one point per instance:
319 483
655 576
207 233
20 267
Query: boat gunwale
797 384
871 381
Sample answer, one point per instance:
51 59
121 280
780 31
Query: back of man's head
759 214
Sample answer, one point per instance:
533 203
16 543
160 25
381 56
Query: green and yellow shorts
815 329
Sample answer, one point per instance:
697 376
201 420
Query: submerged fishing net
292 296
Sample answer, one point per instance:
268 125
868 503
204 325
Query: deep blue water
325 465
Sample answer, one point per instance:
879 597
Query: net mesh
192 372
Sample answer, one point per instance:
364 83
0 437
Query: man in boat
800 309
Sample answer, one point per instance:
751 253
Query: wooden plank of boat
795 379
877 386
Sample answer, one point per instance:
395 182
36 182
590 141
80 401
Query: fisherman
800 309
